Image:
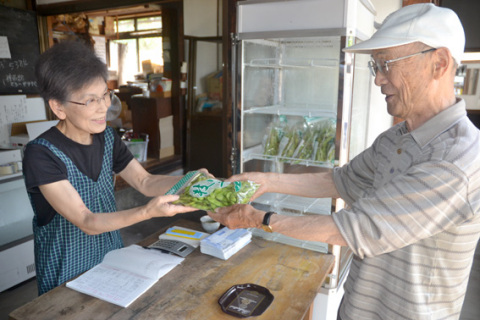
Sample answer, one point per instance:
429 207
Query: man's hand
238 216
261 178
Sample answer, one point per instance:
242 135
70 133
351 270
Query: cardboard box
167 152
155 94
23 132
214 85
165 126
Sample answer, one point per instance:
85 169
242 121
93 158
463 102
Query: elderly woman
69 170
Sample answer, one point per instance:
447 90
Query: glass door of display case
289 120
296 96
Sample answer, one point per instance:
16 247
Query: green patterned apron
63 251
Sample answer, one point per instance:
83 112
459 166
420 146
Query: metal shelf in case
256 153
327 111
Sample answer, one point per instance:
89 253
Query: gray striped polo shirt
412 220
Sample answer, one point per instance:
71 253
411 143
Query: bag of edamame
201 192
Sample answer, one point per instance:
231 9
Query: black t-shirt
41 166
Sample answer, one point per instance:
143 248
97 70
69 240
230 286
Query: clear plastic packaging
275 133
202 192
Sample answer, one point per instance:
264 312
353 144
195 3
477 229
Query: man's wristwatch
266 222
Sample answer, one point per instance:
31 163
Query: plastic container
138 149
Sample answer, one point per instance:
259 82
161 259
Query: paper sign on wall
4 48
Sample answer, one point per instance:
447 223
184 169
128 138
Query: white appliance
290 69
17 262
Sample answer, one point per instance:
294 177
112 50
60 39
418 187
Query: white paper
150 263
100 47
4 48
35 129
112 284
17 108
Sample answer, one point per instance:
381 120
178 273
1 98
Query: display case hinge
235 38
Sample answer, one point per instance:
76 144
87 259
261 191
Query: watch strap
266 218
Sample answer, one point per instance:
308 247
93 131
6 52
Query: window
149 23
139 40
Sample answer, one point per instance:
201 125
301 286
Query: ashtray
245 300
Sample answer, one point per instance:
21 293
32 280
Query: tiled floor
23 293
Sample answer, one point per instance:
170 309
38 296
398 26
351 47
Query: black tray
245 300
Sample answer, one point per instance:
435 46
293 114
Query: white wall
378 119
385 7
200 20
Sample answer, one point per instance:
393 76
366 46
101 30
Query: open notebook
125 274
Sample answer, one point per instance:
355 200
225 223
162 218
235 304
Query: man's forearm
313 185
312 228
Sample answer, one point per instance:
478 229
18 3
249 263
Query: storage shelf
310 110
292 63
294 205
256 153
310 245
11 176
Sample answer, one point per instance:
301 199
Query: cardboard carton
214 85
167 148
23 132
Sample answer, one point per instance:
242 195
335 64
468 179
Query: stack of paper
185 235
225 242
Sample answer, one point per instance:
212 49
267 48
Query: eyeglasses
95 102
375 66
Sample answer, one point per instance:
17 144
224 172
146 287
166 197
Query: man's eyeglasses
95 102
375 66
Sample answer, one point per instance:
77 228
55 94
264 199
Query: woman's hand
205 171
162 206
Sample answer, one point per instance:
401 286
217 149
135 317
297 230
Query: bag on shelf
325 142
275 133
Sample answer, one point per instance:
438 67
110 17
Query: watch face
267 228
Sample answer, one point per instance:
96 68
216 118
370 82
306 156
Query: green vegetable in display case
313 139
293 141
202 192
306 147
325 144
276 131
272 142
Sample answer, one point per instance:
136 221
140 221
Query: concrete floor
27 291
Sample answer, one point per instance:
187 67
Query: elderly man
412 218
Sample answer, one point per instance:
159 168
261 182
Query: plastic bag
275 133
199 191
294 137
325 143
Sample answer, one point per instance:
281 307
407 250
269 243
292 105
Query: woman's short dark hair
66 68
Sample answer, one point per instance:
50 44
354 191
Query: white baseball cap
424 22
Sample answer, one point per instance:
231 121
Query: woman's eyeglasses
95 102
376 66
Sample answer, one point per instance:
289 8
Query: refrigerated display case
302 103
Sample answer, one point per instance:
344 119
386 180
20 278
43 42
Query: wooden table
191 290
